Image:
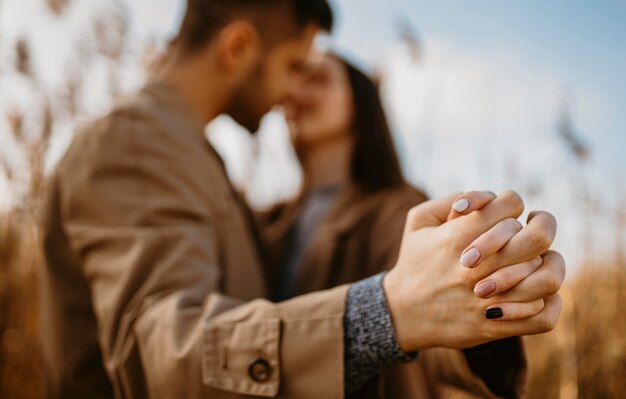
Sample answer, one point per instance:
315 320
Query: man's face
271 82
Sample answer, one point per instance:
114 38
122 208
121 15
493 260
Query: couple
157 282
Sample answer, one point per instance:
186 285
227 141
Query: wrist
409 336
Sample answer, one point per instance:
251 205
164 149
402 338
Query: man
154 274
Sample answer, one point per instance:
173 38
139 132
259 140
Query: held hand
534 272
519 290
431 297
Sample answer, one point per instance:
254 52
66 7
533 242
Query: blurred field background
525 96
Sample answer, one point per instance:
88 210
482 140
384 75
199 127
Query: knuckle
455 237
494 332
545 324
552 285
558 256
551 220
551 323
413 215
513 199
540 240
549 317
487 242
507 280
547 218
516 310
557 266
468 279
557 260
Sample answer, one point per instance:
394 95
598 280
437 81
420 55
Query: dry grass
31 133
20 362
585 357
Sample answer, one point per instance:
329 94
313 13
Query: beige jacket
152 279
359 237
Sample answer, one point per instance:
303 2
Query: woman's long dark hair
375 165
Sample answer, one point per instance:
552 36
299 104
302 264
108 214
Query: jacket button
259 369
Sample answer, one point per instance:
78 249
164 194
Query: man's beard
246 106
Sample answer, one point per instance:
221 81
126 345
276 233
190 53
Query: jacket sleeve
138 224
497 370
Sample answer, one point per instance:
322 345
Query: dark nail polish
493 313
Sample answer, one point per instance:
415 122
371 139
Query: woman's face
321 108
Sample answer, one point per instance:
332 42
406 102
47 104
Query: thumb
430 214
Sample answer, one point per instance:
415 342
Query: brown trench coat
359 237
153 276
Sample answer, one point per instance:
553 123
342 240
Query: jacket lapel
238 249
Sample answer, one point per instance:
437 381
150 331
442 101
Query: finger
514 310
533 240
542 322
505 278
507 205
429 214
469 202
532 215
546 281
490 242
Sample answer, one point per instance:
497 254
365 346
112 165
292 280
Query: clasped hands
468 273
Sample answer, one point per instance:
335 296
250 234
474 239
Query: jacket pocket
243 357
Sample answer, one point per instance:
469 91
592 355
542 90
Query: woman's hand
435 301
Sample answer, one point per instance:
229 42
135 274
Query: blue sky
580 43
579 38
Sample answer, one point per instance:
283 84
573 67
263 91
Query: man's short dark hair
275 19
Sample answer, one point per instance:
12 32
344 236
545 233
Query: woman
346 224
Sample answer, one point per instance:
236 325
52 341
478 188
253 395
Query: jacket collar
167 98
344 213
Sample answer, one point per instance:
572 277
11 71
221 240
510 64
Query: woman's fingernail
470 257
461 205
494 313
485 288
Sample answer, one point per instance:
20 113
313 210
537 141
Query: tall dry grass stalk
31 132
585 357
20 367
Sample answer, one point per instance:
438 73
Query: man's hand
434 301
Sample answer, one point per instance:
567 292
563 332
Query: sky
578 45
478 109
